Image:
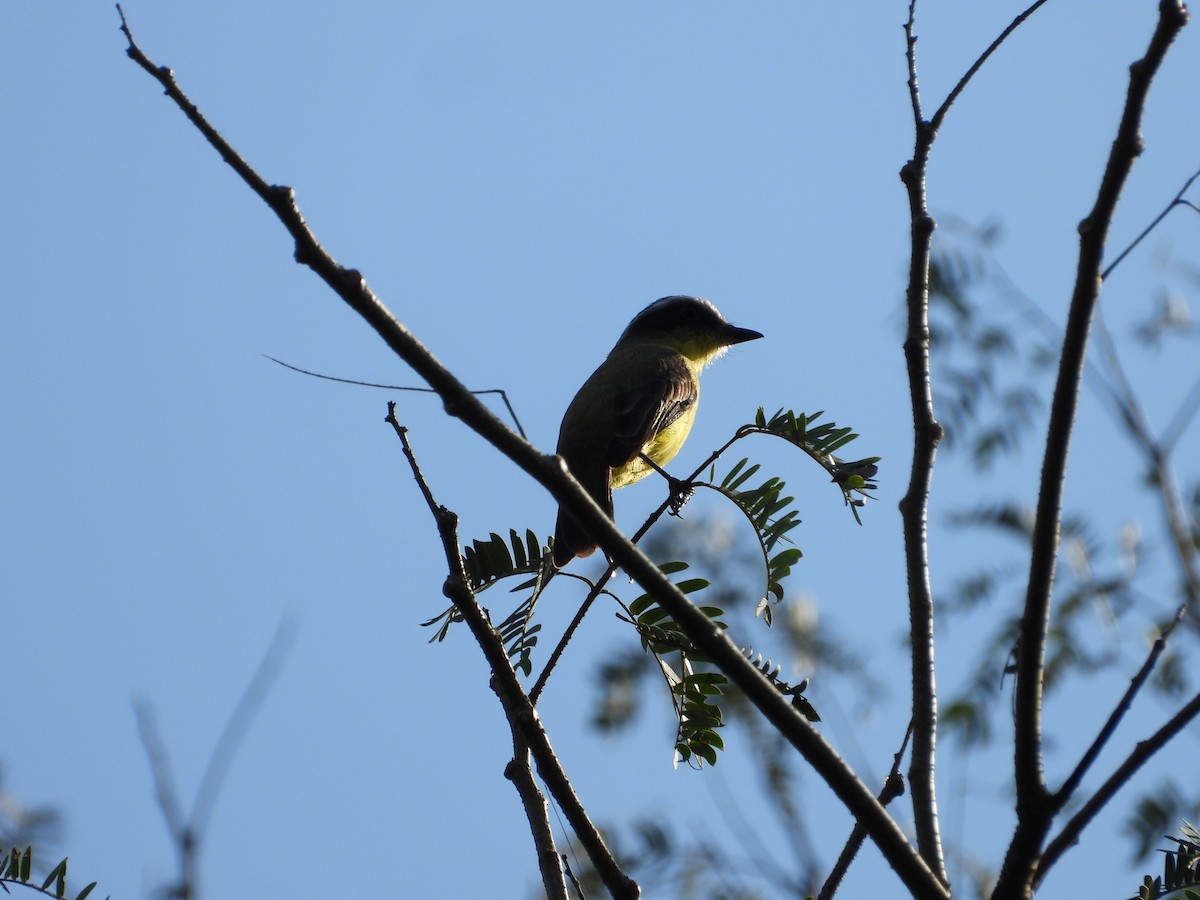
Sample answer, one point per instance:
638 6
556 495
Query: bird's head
688 325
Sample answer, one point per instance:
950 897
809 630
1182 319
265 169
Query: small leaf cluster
771 672
520 636
486 563
660 633
854 477
17 869
699 716
1181 869
694 694
763 506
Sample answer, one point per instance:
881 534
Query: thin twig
1177 200
910 56
1181 419
893 787
187 830
936 122
239 722
528 734
1064 794
160 769
401 387
1141 754
1157 454
595 591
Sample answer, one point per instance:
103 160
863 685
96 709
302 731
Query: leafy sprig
765 510
693 694
854 477
1181 869
17 868
771 672
485 564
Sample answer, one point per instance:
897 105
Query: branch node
892 788
453 408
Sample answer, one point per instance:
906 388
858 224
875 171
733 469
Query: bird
635 411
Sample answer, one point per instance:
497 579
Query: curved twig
936 122
1177 200
1069 835
400 387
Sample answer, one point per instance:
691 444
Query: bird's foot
681 493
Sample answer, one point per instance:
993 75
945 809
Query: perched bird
633 414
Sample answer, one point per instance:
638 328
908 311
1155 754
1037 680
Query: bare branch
1034 811
914 507
1177 200
927 434
519 772
1069 835
528 734
401 387
936 122
1063 795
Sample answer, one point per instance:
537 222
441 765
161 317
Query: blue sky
515 181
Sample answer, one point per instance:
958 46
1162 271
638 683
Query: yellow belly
662 449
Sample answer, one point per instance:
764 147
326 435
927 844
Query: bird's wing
641 412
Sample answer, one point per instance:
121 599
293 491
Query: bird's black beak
735 335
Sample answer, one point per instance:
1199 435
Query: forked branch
1035 808
927 434
528 734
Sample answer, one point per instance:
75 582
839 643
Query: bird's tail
571 539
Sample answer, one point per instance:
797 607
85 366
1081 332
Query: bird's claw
681 493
